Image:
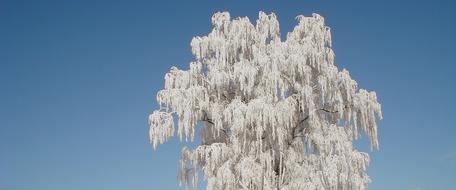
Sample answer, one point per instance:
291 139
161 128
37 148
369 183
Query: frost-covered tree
273 114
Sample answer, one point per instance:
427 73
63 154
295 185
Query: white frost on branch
275 114
163 127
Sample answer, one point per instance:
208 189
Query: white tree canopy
275 114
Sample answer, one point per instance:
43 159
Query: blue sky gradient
78 80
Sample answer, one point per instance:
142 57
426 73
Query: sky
79 78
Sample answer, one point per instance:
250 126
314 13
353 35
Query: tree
275 114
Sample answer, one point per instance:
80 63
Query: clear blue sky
78 80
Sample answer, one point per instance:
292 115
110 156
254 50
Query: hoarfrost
276 114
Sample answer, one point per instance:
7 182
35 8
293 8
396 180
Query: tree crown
276 114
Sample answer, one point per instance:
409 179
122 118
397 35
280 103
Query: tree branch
328 111
307 117
207 119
